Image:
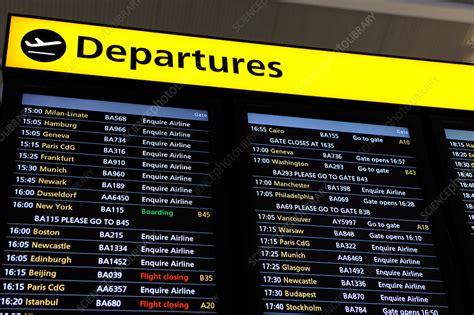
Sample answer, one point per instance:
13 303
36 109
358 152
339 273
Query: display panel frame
231 107
339 110
455 220
132 92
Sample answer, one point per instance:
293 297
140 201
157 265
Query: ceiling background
445 32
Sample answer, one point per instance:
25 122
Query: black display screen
108 210
337 220
461 149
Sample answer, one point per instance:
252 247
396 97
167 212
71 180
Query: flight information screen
461 148
337 220
108 211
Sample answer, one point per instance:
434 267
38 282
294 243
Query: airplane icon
43 45
39 43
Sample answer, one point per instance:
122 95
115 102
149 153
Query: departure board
108 211
461 149
337 220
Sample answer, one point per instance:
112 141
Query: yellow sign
77 48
